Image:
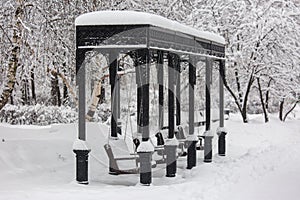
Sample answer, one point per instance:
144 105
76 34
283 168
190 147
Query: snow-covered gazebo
148 39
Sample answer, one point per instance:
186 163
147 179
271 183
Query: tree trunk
11 100
237 80
245 103
244 114
65 94
25 92
33 94
268 94
281 110
232 94
262 101
236 73
14 58
58 93
95 99
66 82
293 107
65 89
102 96
54 90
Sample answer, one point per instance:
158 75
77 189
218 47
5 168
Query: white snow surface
80 145
262 162
171 142
192 137
146 146
134 18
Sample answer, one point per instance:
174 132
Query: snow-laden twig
23 24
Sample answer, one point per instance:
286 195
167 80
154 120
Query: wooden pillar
80 148
221 91
208 68
142 80
221 132
113 68
139 90
118 100
208 135
178 96
160 78
80 81
171 99
145 149
139 97
192 138
171 143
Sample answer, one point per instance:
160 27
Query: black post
81 153
118 98
80 81
138 78
221 132
82 165
145 149
178 97
139 97
160 77
208 135
192 138
113 68
171 99
171 143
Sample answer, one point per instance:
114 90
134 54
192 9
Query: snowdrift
262 162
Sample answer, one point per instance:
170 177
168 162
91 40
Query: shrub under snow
37 114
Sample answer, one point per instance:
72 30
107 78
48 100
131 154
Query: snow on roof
134 18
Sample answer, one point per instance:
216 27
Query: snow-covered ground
262 163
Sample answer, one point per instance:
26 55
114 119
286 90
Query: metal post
171 143
178 97
192 138
139 91
80 79
171 100
208 135
118 98
113 67
139 97
221 91
145 149
221 132
160 77
81 153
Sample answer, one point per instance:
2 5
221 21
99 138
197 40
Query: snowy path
262 163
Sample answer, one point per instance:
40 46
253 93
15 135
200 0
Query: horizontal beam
140 46
121 48
187 53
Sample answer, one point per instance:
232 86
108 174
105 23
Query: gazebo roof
141 18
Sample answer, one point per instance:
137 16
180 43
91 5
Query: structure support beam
192 138
178 96
160 77
171 143
83 151
221 132
221 91
208 134
171 97
139 97
80 79
113 79
145 149
118 98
